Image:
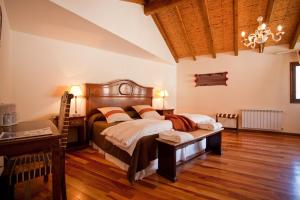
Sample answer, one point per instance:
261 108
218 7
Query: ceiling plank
236 27
269 11
165 36
155 6
185 35
203 5
295 37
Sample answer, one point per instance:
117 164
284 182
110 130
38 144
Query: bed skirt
181 155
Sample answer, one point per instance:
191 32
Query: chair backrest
63 119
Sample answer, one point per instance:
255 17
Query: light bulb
263 26
243 33
279 28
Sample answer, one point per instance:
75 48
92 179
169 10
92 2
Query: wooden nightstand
165 111
77 131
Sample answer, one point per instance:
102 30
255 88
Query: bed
126 93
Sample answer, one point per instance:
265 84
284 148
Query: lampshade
76 90
163 93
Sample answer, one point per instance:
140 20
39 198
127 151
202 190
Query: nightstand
77 135
165 111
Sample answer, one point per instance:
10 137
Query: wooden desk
167 150
27 145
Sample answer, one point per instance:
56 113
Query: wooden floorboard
253 166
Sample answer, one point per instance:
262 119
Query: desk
20 146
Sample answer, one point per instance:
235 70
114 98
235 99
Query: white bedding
126 134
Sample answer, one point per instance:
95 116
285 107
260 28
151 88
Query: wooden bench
167 151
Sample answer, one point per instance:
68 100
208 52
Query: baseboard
267 131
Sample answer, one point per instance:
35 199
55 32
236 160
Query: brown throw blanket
182 123
144 152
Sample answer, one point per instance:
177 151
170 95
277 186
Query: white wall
43 67
5 68
124 19
255 81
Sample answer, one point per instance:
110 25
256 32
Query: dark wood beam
203 5
295 36
236 27
165 36
185 35
269 11
136 1
156 5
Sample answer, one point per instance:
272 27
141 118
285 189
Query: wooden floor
254 166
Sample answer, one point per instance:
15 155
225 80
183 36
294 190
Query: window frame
293 66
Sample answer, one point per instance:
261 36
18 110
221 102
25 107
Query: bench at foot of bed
167 151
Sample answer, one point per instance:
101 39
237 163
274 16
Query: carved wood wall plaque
211 79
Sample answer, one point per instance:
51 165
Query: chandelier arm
276 37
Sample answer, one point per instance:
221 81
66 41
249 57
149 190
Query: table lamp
76 91
163 94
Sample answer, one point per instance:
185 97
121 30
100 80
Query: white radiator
262 119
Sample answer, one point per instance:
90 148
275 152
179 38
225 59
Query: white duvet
126 134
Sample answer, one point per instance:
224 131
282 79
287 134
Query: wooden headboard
122 93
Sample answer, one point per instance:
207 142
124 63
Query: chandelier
261 35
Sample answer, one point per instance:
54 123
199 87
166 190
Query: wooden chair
27 167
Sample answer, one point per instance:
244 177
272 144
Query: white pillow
147 112
114 114
199 119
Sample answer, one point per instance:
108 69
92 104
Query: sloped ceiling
201 27
46 19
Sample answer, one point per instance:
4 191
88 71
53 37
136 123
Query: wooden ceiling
199 27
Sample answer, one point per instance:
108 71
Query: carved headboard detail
122 93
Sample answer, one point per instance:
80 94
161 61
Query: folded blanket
210 126
182 123
176 136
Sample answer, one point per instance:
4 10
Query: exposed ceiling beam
203 5
136 1
269 11
165 36
295 36
157 5
236 27
185 35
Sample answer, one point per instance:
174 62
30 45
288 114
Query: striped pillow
114 114
147 112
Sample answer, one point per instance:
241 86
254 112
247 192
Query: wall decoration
211 79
